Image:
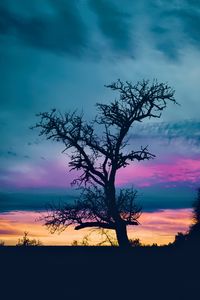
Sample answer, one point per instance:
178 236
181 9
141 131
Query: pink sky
50 174
175 170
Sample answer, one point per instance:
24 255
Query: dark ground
99 273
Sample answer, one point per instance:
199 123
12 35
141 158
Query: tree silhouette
25 241
192 237
2 243
194 231
101 156
180 239
136 243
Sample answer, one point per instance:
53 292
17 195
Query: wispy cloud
12 153
186 128
185 133
29 175
175 171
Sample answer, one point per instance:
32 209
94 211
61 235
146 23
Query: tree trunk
122 237
120 226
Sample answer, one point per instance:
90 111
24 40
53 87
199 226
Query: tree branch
95 224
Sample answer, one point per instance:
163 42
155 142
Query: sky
61 54
156 227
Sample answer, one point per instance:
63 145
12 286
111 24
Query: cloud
69 27
73 27
184 134
175 25
62 31
33 200
173 172
42 173
114 23
12 153
167 28
8 232
8 154
188 15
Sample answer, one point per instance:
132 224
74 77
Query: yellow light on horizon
156 227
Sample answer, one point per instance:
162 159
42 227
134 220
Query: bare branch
95 224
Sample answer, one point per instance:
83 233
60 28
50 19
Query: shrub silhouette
180 239
135 243
25 241
2 243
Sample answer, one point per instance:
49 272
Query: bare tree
100 156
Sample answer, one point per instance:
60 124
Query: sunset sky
61 54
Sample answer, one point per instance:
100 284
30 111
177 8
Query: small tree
25 241
101 156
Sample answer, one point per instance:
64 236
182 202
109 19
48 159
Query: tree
107 238
180 239
26 241
193 234
101 156
194 231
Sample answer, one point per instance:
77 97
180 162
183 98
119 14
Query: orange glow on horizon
156 227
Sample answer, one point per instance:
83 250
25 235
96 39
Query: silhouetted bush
135 243
180 239
25 241
2 243
74 243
